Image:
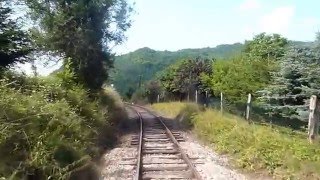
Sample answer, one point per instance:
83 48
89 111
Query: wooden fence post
313 125
206 100
196 97
248 107
221 102
158 98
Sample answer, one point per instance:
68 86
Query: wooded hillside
146 62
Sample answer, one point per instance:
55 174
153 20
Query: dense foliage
14 43
182 79
294 83
57 127
249 72
48 128
266 46
238 77
81 30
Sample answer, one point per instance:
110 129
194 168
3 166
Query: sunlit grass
280 151
170 110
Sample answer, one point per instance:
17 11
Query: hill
145 63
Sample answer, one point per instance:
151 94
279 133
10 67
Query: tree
249 72
14 43
183 78
153 89
237 77
294 83
266 46
84 31
317 42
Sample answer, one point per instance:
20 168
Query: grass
282 152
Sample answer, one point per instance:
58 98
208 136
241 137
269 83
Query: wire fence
253 110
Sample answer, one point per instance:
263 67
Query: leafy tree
83 31
249 72
266 46
237 77
14 43
183 78
153 89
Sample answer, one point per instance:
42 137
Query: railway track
159 153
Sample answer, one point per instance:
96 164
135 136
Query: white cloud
249 5
278 20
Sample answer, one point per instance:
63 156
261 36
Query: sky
178 24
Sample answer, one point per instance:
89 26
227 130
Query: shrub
48 129
112 101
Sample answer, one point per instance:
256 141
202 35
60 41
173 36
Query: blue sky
179 24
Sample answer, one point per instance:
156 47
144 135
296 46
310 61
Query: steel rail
139 158
184 156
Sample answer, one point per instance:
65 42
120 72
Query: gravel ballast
120 162
209 164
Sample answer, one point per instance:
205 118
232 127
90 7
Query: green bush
110 99
280 151
48 129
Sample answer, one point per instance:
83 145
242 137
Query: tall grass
280 151
49 130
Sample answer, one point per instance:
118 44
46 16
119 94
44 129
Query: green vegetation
284 153
249 72
262 67
266 46
57 127
238 77
145 63
280 74
80 30
14 43
54 127
50 128
294 83
182 78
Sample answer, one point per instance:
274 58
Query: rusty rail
139 158
184 156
